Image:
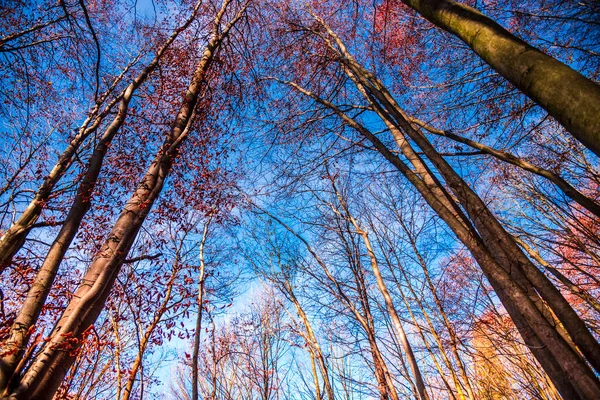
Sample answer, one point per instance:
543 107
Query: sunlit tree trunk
117 360
567 95
385 384
316 352
439 343
502 245
313 367
454 340
200 302
433 331
389 303
420 384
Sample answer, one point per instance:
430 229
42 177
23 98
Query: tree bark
568 96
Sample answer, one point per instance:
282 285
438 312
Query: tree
16 344
303 200
567 95
49 368
514 284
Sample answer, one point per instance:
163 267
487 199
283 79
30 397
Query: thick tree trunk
503 246
553 351
513 280
572 99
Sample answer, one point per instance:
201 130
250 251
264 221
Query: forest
300 199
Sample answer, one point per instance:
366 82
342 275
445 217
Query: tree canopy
257 199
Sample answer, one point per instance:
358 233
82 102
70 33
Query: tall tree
16 344
567 95
519 284
48 369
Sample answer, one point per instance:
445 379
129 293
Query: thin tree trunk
117 360
437 339
143 345
365 318
313 367
381 369
420 384
432 329
200 301
314 343
385 384
453 338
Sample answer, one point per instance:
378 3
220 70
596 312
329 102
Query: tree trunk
571 98
13 239
412 361
314 343
200 301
